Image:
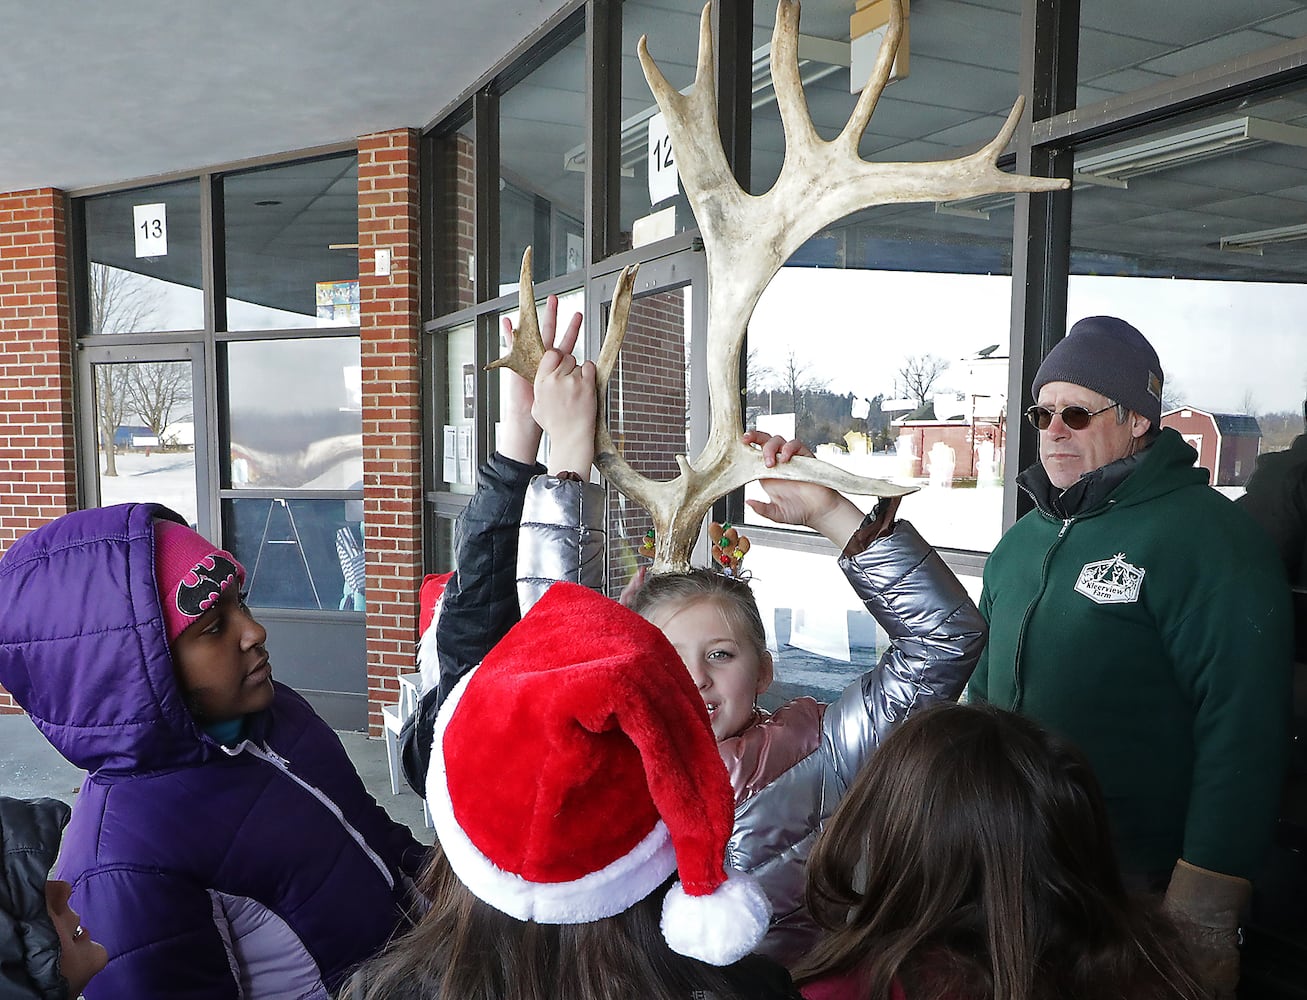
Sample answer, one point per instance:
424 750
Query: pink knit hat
191 573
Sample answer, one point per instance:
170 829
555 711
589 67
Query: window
1123 51
143 255
292 245
1203 247
541 185
883 342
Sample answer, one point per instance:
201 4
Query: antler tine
692 124
994 148
705 70
851 135
607 456
796 122
618 313
528 346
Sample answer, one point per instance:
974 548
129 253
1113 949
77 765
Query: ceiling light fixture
1189 146
1114 167
1254 241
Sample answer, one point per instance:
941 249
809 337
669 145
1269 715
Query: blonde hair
732 594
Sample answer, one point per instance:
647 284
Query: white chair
393 718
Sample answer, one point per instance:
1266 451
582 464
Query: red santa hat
575 770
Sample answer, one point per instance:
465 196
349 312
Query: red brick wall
37 478
647 401
455 215
392 436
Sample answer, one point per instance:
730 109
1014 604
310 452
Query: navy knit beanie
1112 358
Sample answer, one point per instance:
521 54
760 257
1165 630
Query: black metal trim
603 110
1263 70
233 166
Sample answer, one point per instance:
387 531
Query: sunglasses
1075 417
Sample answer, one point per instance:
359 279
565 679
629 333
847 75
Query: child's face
221 664
725 666
80 958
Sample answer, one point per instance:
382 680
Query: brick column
37 472
392 434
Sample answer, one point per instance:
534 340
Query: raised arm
563 535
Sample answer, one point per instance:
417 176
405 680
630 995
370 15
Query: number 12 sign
151 224
663 179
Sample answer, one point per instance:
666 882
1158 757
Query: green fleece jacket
1152 629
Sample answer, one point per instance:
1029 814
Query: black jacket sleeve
479 604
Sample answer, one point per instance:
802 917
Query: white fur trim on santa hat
719 928
599 894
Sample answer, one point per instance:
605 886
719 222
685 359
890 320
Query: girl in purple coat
222 845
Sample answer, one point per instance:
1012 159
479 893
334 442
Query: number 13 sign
663 179
151 222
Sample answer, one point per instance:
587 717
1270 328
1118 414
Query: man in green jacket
1142 615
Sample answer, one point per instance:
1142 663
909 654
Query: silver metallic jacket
936 634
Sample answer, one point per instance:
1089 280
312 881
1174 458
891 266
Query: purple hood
83 648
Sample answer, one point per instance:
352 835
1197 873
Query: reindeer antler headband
747 238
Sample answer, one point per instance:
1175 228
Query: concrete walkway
30 768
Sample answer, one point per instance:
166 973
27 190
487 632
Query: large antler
747 238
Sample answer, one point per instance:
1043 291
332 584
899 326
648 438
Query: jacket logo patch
1110 581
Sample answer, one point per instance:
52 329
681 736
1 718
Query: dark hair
465 949
972 857
731 593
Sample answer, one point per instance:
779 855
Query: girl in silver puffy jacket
788 768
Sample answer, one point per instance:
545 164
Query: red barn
1227 443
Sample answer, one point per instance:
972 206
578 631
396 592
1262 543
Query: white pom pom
718 929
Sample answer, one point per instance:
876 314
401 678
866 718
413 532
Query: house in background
1227 443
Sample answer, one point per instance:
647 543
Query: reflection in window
454 208
304 432
897 375
673 32
1171 38
457 442
292 245
821 634
1203 247
648 407
143 251
961 82
146 434
298 553
542 181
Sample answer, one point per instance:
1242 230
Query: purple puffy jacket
259 870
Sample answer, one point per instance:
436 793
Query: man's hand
791 502
519 437
1206 907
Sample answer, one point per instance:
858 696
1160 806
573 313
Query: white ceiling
103 92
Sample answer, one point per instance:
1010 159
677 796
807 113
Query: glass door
658 393
143 434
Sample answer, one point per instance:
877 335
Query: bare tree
757 376
110 408
1172 395
795 380
919 374
155 388
119 303
1249 403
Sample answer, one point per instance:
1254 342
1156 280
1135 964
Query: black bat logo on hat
204 584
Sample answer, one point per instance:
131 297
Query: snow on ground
158 477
